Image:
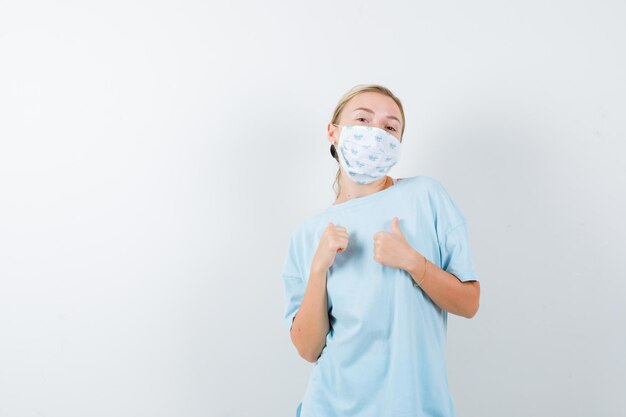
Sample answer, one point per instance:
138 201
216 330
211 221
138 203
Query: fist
392 249
334 239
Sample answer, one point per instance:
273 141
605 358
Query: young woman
370 280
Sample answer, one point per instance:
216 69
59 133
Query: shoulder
303 240
432 193
425 184
308 227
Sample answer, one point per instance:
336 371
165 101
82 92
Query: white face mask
367 153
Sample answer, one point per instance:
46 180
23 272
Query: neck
350 189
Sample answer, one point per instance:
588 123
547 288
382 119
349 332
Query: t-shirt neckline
365 198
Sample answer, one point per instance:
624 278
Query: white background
155 156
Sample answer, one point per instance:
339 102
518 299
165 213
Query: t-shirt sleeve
452 227
456 255
293 284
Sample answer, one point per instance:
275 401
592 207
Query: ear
332 133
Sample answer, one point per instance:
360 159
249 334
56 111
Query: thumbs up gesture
392 248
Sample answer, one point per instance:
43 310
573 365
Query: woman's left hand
392 248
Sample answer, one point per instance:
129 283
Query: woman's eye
361 119
393 129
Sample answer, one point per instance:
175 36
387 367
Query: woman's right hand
333 240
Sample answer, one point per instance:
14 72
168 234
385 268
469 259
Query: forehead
377 102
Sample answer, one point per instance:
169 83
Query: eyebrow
370 111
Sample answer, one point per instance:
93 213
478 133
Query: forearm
445 289
311 325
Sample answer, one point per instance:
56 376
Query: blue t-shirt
385 351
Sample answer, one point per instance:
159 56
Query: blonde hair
349 95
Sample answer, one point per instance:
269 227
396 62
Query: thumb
394 226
